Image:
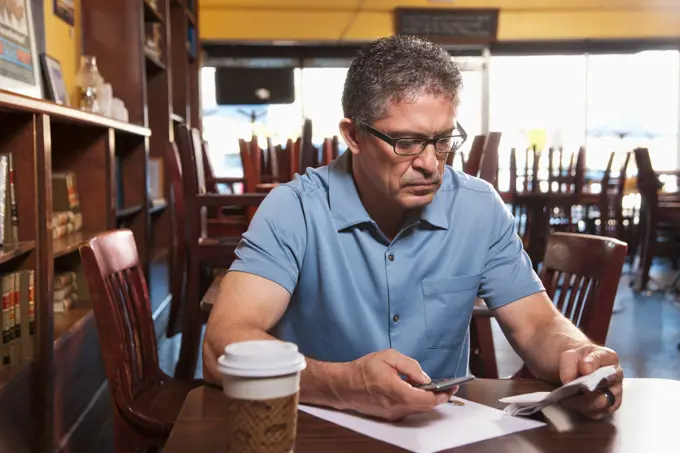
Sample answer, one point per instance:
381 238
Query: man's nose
427 161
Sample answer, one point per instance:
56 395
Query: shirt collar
348 210
345 204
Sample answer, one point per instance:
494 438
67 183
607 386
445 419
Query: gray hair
395 69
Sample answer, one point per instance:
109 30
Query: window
322 101
536 100
633 101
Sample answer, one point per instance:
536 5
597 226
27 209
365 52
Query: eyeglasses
412 146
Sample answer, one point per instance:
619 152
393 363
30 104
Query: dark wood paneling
158 87
112 31
78 375
44 387
17 426
134 159
97 414
179 61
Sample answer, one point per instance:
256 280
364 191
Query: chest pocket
448 307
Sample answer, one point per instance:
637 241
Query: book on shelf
18 316
65 293
64 192
155 182
9 219
66 222
152 40
66 215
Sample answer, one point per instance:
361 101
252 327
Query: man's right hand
378 389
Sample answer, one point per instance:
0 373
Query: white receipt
448 425
530 403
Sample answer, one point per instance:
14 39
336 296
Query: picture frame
19 62
65 10
55 86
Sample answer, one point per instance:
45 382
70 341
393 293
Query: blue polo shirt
354 292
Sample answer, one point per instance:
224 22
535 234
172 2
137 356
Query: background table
646 422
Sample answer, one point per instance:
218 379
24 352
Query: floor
645 333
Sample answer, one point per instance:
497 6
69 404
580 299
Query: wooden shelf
70 320
177 118
151 14
158 208
126 213
10 251
69 243
15 102
153 62
17 371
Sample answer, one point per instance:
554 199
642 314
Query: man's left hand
585 360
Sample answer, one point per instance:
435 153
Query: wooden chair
659 218
581 276
146 401
203 249
488 166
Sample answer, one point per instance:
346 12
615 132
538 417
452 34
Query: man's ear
350 133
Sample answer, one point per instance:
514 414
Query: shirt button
395 318
390 257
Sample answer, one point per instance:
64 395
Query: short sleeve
273 247
508 275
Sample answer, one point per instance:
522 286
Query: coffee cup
261 382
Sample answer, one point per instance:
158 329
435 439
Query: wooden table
646 422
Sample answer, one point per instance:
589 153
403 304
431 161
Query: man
372 264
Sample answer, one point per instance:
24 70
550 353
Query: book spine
27 303
15 356
3 197
7 319
13 201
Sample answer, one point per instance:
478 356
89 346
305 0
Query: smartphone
441 385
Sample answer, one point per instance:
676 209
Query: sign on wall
449 26
19 63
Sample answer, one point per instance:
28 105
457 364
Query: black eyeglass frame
428 141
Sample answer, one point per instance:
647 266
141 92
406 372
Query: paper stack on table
530 403
447 426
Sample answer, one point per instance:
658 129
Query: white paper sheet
447 426
530 403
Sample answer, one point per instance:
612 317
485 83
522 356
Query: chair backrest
474 159
488 168
611 196
581 275
178 251
210 183
122 312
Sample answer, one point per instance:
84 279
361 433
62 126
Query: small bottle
89 80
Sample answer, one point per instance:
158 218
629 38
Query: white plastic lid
261 358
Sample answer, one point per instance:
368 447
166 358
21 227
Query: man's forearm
545 347
321 383
215 341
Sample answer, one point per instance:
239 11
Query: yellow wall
62 42
312 20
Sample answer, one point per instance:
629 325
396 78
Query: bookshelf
54 400
48 392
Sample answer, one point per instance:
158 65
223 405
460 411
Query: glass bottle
88 80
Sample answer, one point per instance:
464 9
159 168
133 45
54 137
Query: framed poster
65 10
19 62
55 87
